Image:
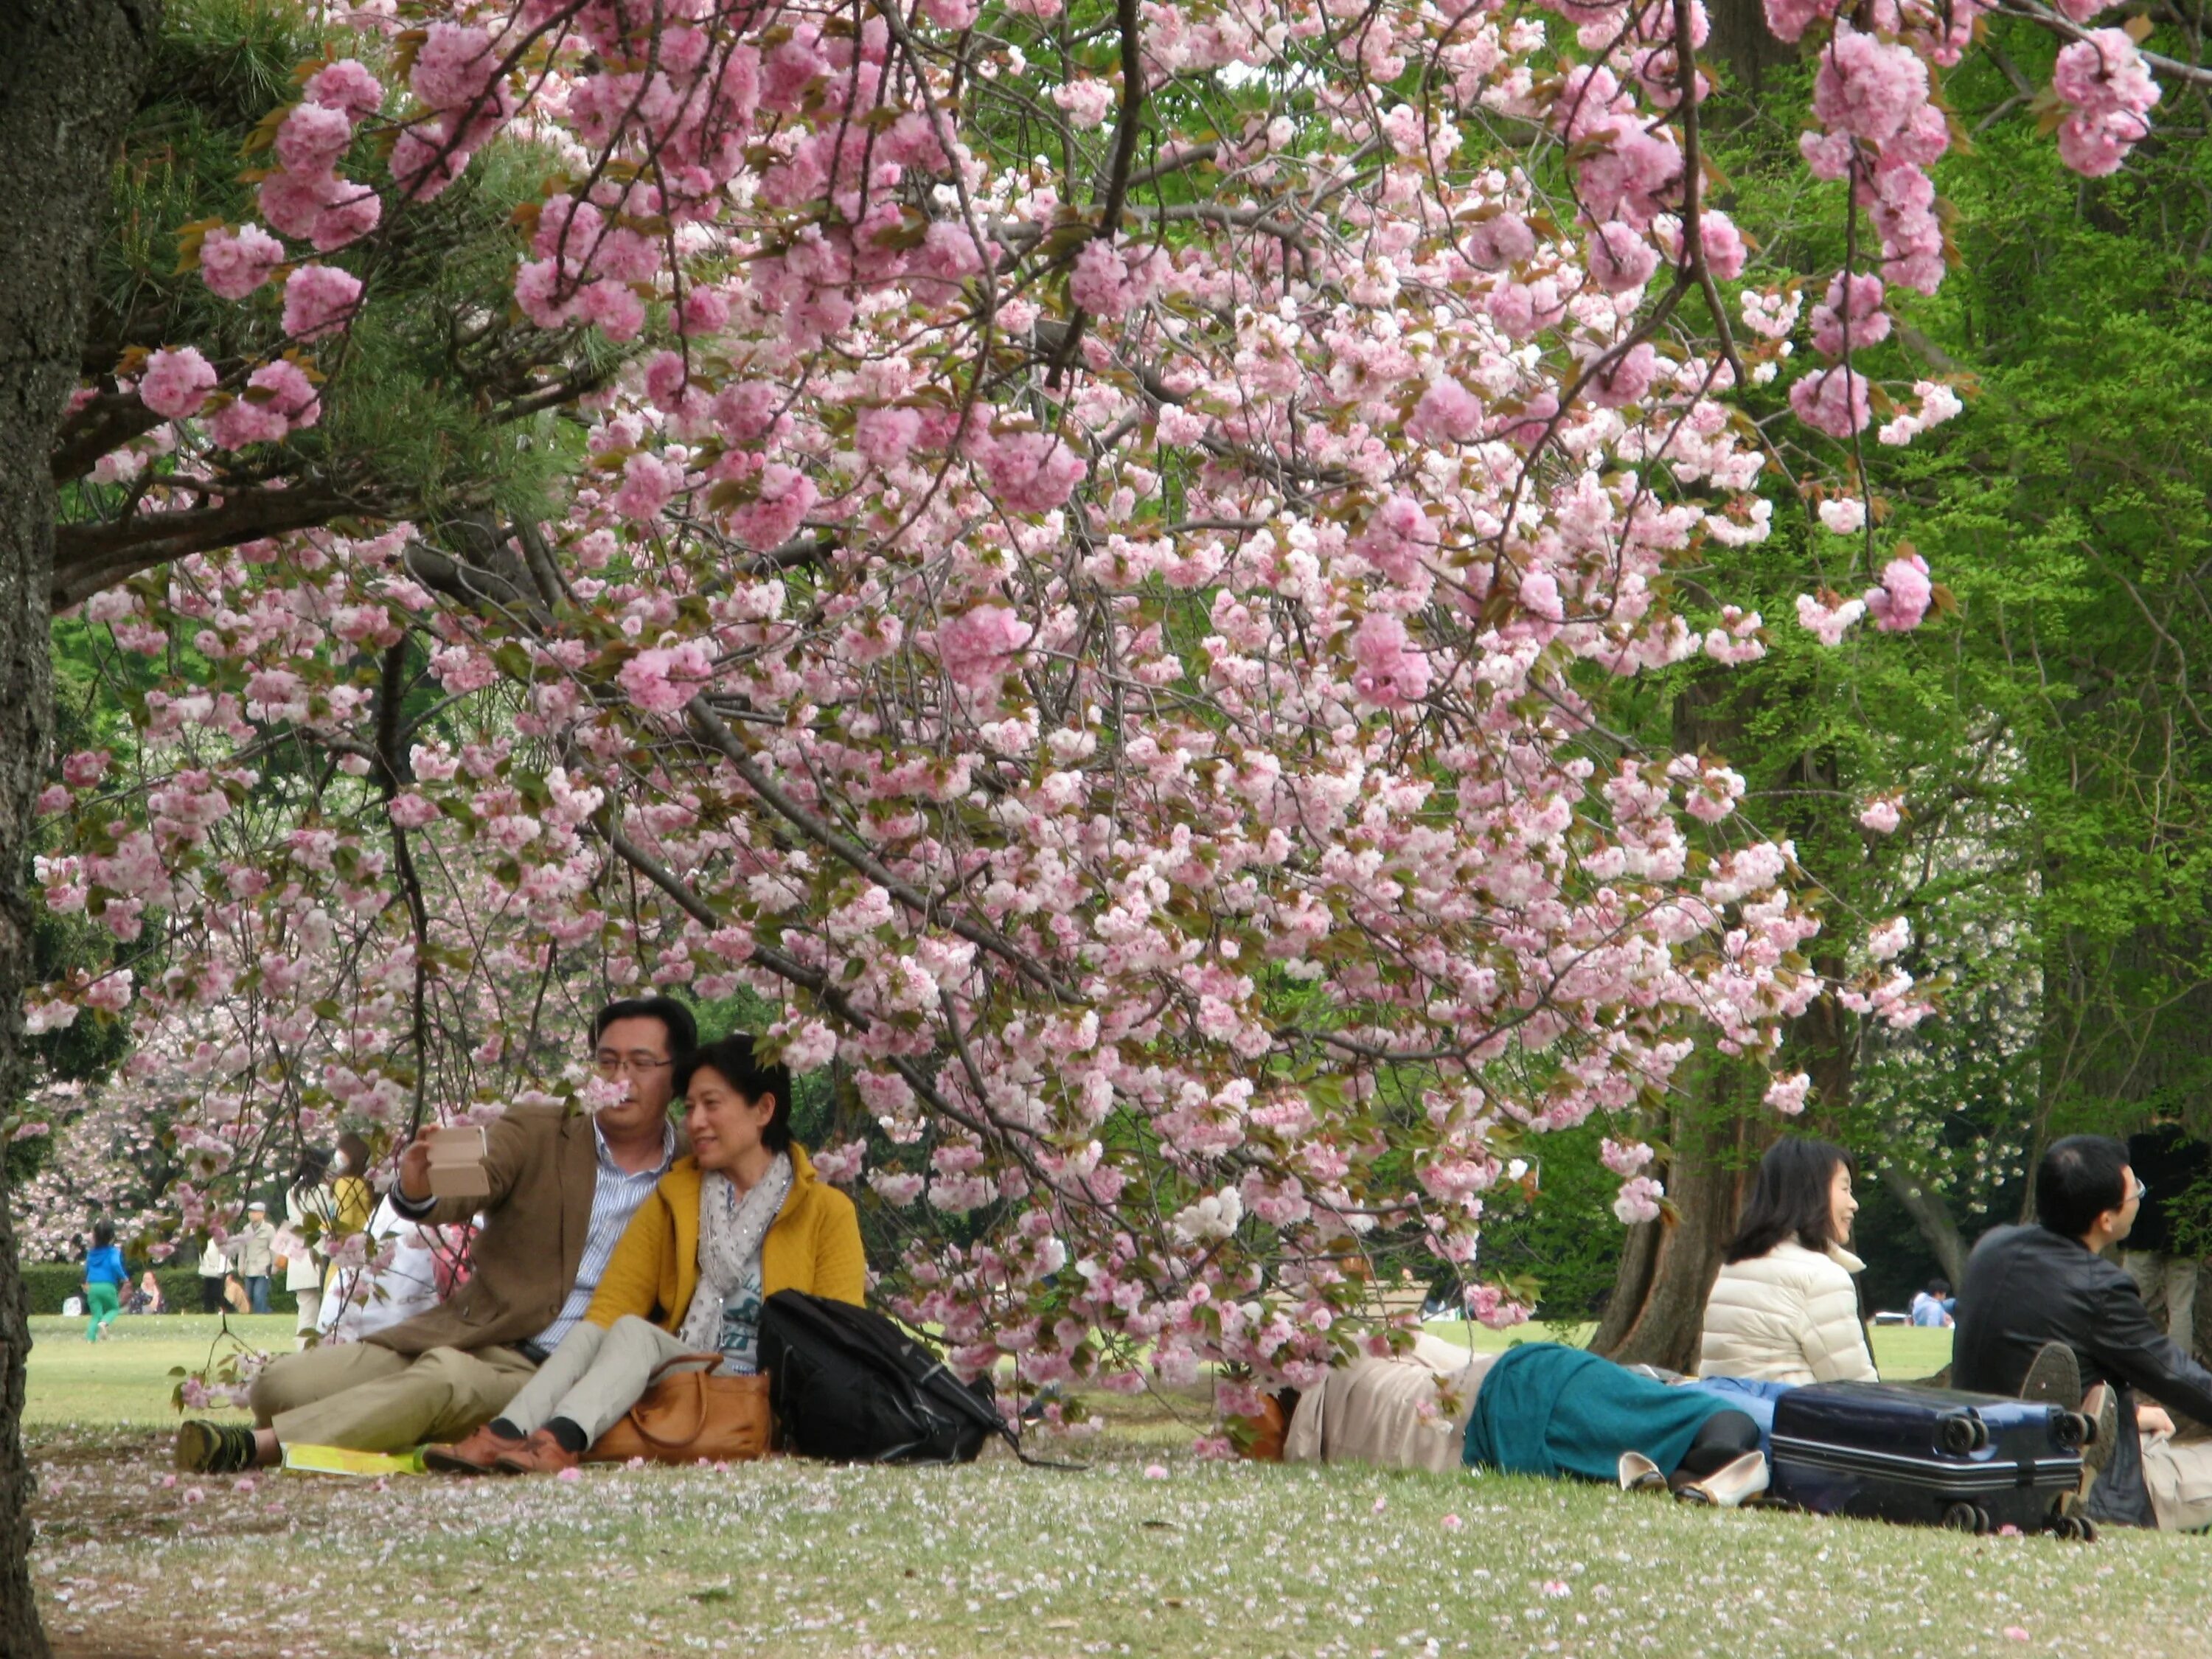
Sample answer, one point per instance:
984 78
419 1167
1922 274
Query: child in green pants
104 1276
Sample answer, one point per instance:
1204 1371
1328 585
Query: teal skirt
1548 1410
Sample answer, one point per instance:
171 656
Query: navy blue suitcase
1927 1457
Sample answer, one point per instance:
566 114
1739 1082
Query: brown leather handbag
685 1416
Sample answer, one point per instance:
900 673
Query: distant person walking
254 1252
2169 1161
310 1212
215 1268
105 1276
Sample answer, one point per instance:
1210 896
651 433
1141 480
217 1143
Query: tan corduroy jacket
813 1245
542 1163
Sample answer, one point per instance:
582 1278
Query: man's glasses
613 1065
2142 1189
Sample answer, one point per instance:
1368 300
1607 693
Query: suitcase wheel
1966 1517
1962 1434
2078 1529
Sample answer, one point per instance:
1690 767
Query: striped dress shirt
616 1195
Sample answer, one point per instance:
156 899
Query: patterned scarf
731 1229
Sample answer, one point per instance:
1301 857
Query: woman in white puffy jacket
1785 1308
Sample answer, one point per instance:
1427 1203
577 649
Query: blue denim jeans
1755 1400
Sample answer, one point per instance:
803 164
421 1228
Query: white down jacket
1791 1316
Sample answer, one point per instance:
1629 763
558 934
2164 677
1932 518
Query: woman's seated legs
579 1394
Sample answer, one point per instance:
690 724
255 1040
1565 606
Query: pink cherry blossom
1867 87
345 84
233 264
1828 620
978 646
312 138
1392 671
1897 605
1882 816
318 301
454 65
1832 400
176 381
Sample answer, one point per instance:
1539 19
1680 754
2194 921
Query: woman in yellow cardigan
740 1218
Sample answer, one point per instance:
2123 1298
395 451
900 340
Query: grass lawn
1147 1552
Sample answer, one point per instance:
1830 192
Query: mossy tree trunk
71 72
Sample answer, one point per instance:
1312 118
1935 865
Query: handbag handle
698 1394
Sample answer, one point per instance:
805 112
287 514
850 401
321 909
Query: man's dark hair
2078 1181
103 1232
674 1019
1938 1288
1792 1199
732 1060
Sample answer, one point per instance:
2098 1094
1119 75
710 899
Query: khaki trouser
366 1397
594 1377
2168 1282
2179 1476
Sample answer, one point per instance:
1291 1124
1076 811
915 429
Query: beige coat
1791 1316
1408 1412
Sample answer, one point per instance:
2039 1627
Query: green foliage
435 403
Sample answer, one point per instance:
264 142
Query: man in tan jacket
564 1187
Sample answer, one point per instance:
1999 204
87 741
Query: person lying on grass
1539 1408
563 1187
740 1218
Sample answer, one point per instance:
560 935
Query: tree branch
89 558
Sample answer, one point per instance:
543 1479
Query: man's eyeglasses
2142 1187
611 1066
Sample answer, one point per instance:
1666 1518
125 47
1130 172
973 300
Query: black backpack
849 1385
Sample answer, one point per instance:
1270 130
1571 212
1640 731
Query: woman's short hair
2078 1180
103 1232
732 1060
1792 1198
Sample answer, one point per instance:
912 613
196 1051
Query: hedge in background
49 1284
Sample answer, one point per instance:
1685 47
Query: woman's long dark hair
1792 1199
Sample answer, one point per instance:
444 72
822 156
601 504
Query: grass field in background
123 1378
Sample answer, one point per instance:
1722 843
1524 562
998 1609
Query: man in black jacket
2026 1287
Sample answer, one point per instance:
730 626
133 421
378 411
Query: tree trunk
73 68
1933 1216
1656 1312
1740 39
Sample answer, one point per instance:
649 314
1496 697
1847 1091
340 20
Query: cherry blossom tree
1092 589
